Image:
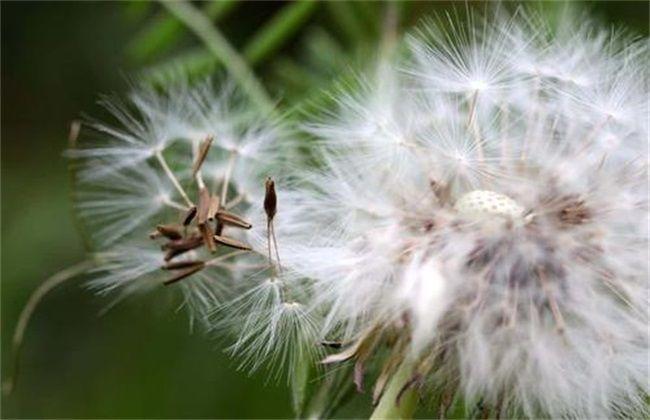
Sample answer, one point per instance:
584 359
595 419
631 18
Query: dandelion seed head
138 174
502 240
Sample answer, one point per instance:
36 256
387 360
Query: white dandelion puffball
158 190
482 211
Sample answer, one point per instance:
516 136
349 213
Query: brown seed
169 255
182 264
331 344
218 228
575 213
173 253
170 231
232 243
202 218
184 244
270 199
189 216
232 219
207 237
203 153
215 205
204 206
155 234
441 191
183 274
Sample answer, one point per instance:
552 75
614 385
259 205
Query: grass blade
219 46
275 32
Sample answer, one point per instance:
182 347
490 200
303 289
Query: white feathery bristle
272 329
123 203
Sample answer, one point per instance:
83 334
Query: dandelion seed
170 231
232 243
204 148
270 208
232 219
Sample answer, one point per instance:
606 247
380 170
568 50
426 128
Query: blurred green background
139 360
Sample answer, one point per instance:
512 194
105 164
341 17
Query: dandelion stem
172 178
27 312
221 49
398 402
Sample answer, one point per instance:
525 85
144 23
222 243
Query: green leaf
191 64
161 33
221 49
276 31
164 32
200 62
216 10
324 52
347 20
136 10
322 60
369 16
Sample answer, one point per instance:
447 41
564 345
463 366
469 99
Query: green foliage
331 43
277 30
163 32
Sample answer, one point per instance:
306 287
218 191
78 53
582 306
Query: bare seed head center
486 202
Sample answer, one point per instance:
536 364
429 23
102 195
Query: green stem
27 312
222 50
388 408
